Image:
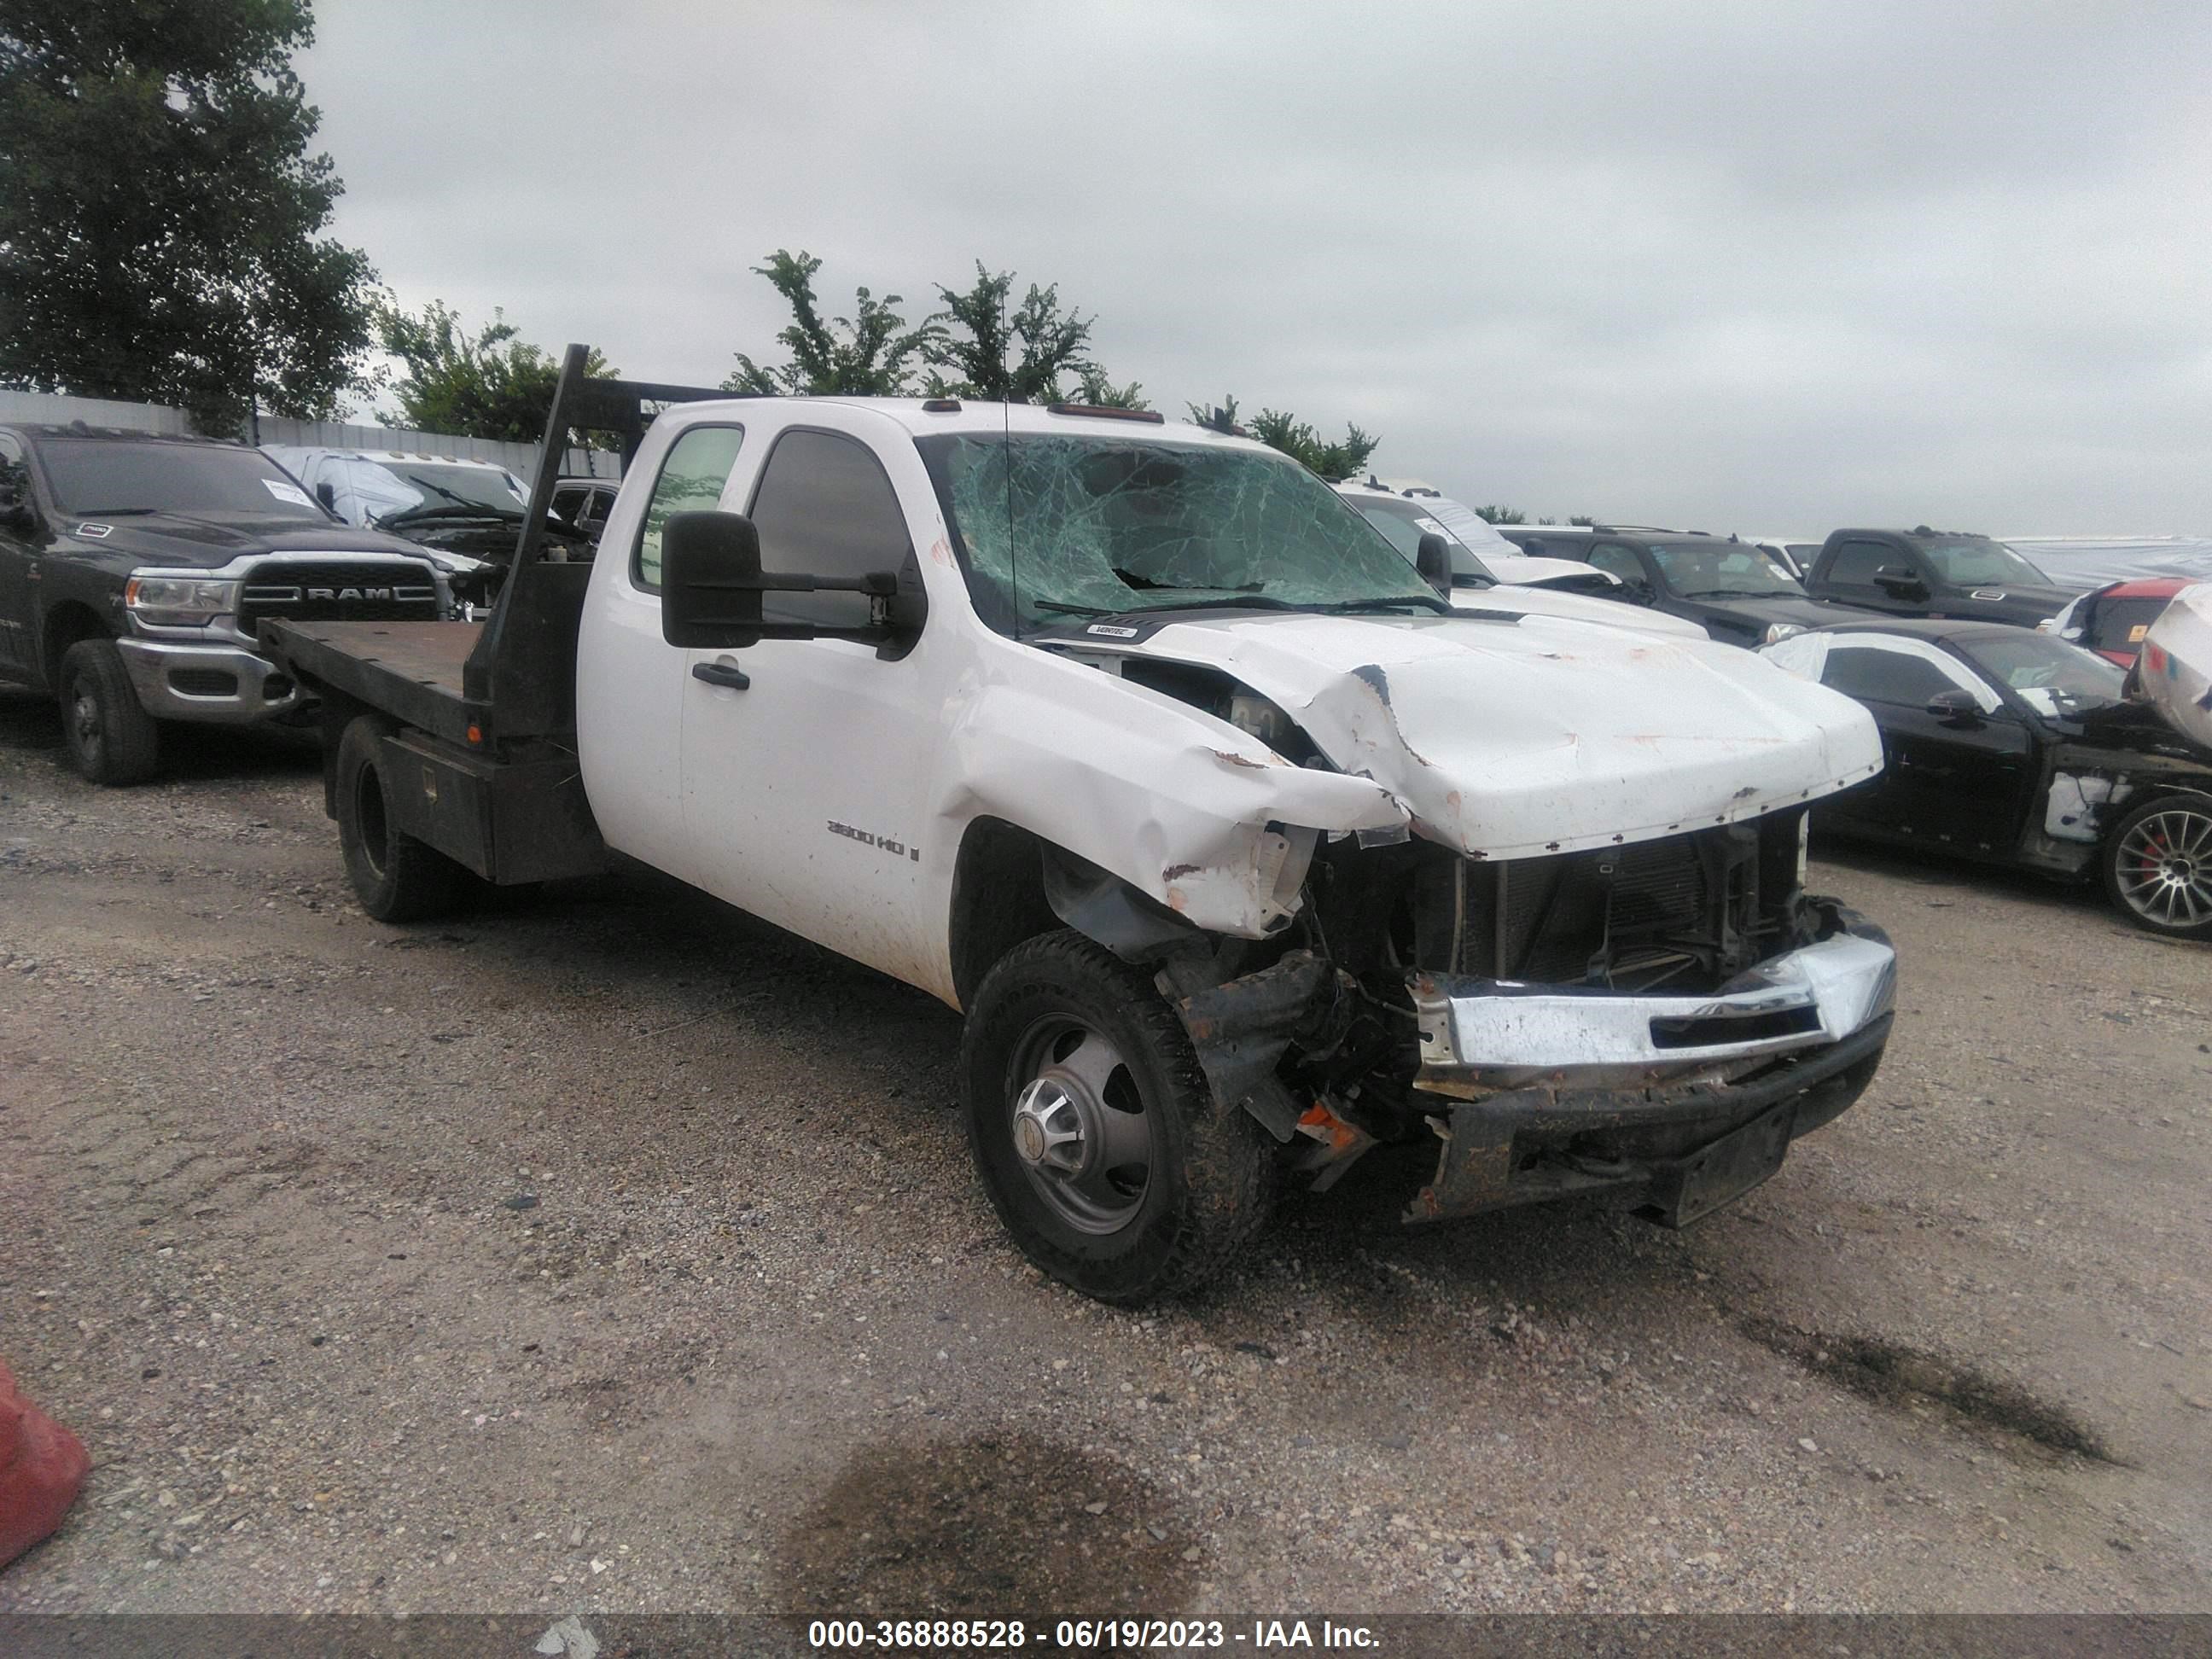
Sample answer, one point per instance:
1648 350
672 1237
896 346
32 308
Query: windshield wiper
466 510
113 512
1251 602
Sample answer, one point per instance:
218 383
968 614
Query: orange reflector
476 733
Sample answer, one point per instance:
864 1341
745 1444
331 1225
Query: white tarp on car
2083 563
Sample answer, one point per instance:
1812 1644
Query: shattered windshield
1978 561
1051 526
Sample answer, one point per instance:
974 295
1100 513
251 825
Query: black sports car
2015 748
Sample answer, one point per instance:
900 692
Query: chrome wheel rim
2164 867
1080 1131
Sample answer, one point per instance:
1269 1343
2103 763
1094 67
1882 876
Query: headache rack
486 711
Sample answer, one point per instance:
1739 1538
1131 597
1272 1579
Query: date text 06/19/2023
1087 1635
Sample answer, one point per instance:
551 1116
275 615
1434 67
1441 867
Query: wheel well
65 625
998 899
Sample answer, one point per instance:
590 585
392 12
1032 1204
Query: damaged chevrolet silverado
1239 848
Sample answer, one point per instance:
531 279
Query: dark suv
1729 587
1933 573
134 569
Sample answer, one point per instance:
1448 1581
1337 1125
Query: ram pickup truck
134 570
1239 848
1933 573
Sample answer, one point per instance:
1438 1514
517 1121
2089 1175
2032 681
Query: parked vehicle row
135 570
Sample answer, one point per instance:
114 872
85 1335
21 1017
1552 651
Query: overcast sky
1762 267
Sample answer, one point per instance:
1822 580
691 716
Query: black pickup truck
1933 573
135 569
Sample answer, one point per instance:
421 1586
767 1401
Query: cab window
825 508
1904 675
1856 562
692 480
1618 561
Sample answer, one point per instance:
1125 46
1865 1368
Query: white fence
520 458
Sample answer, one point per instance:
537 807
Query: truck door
18 547
807 763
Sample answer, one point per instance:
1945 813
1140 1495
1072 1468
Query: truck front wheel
1094 1131
111 739
396 877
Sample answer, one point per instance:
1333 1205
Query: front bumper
1479 1035
1679 1104
211 682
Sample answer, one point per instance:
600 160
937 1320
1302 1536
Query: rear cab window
692 478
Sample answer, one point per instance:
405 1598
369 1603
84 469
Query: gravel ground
610 1251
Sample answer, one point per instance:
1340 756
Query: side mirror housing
327 494
1432 559
16 513
1899 583
1955 707
711 583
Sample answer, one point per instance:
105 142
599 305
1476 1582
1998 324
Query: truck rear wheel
396 877
111 739
2157 867
1094 1131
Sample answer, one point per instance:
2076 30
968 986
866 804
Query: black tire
395 876
2157 867
111 740
1209 1176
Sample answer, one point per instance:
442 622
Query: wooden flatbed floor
412 670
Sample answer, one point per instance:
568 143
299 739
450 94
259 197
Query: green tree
491 384
1219 417
1335 461
160 211
1019 357
1584 520
871 353
1094 389
1501 515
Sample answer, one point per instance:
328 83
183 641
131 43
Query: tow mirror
1955 707
711 583
327 494
16 513
1432 559
1899 583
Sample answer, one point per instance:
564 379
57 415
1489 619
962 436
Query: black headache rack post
523 671
480 760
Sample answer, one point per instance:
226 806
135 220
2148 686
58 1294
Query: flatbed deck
412 670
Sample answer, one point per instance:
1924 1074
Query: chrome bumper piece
1482 1035
179 682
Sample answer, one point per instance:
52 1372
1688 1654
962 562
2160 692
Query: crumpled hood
1511 737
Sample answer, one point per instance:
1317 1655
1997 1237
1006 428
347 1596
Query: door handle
722 673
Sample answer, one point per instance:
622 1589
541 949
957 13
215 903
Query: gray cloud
1766 266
